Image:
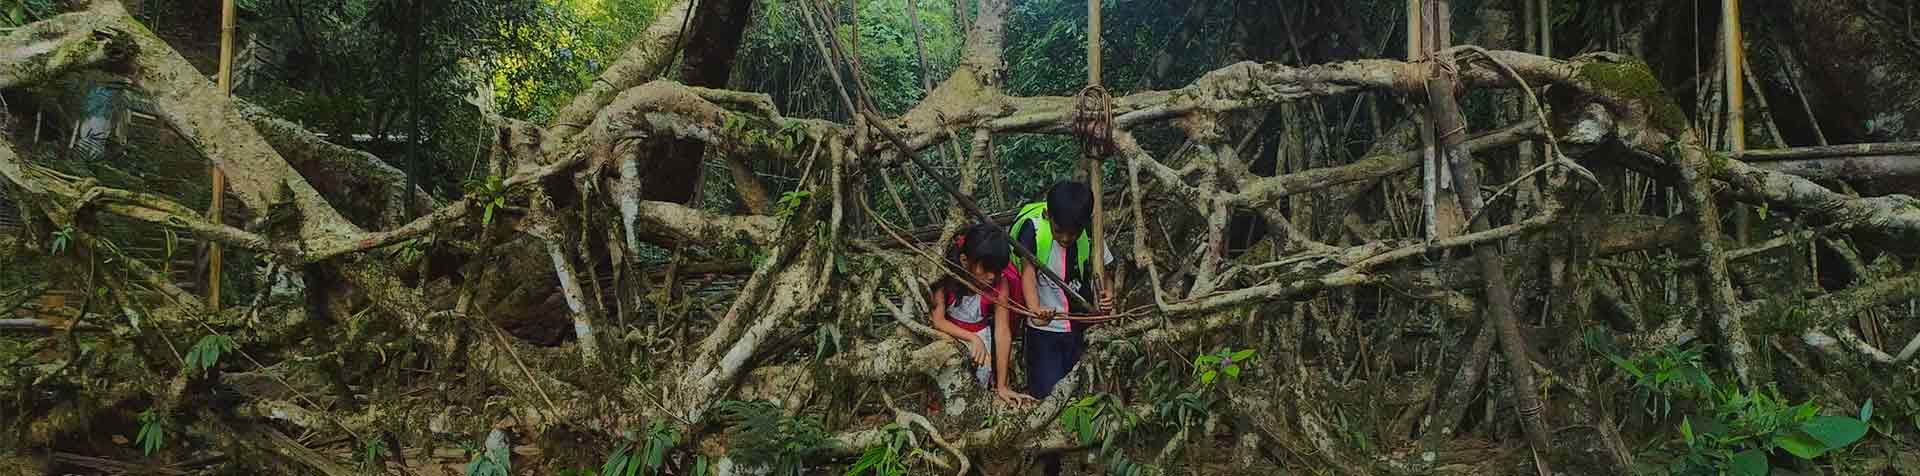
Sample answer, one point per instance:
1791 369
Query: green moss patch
1635 82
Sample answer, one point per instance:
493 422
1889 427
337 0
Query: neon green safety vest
1043 242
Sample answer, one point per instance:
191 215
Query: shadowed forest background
492 237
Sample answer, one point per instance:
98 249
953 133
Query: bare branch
357 182
199 110
639 64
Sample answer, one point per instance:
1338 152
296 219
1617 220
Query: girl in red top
973 319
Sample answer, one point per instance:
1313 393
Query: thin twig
1540 111
502 336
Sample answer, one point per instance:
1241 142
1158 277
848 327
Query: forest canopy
491 237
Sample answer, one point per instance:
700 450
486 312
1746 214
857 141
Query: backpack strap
1043 232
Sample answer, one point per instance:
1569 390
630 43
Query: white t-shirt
967 310
1051 295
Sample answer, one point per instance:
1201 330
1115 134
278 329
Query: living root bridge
816 275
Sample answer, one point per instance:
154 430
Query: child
1055 231
981 251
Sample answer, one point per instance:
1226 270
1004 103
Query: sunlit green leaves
887 459
1079 416
790 202
1208 368
491 193
60 240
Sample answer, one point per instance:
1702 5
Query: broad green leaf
1835 432
1233 371
1242 355
1801 444
1686 430
700 465
151 437
1207 378
1805 411
1866 410
1751 462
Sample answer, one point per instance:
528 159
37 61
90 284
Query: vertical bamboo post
1429 30
1093 42
1093 164
1414 46
1736 104
218 207
1736 117
1416 50
1546 28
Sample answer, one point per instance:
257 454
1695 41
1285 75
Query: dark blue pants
1050 356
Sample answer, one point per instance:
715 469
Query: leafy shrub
1661 375
765 436
205 354
153 432
644 456
1744 428
1729 430
889 458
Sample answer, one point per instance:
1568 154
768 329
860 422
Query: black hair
981 243
1070 204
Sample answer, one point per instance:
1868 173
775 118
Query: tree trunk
712 42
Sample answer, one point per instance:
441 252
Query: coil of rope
1093 123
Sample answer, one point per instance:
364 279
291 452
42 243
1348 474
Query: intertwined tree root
565 203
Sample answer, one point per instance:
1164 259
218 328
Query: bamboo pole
1416 50
218 208
1736 102
1735 57
1093 42
1414 46
1429 30
1546 28
1093 163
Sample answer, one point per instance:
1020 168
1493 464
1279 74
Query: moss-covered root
49 48
1630 82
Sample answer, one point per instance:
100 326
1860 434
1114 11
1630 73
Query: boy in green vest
1055 230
